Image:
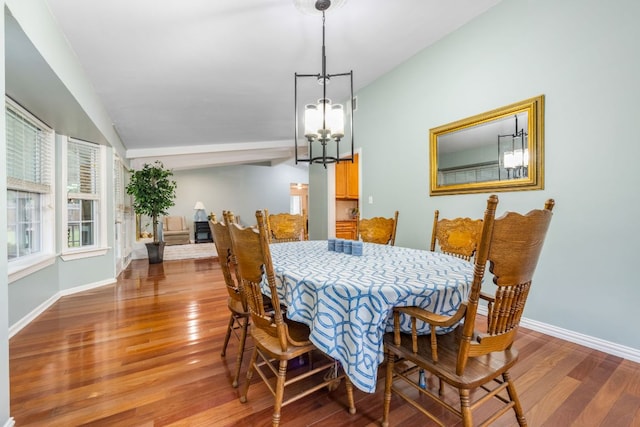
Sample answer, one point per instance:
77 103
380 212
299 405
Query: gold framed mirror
500 150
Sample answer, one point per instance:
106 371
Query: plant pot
155 251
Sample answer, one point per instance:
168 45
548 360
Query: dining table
347 300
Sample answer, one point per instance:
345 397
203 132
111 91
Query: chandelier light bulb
312 121
336 121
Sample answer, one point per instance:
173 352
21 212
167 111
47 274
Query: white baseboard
17 327
10 422
608 347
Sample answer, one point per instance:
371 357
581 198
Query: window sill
83 253
23 268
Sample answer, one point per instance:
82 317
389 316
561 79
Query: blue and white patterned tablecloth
347 300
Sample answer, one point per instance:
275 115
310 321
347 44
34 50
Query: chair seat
479 370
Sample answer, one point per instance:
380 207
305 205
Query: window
124 226
84 194
30 214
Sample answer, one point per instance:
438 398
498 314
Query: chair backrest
251 248
511 245
229 217
378 230
174 223
285 227
222 241
458 236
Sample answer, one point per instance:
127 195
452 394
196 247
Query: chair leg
243 339
467 420
245 390
352 404
513 395
387 389
228 335
277 406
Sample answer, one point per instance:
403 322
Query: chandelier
323 124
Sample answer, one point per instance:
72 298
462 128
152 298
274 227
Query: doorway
299 198
299 202
344 182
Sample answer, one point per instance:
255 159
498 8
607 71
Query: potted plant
153 193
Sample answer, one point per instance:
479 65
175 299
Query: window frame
99 247
23 266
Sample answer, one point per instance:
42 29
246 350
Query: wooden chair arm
432 319
490 299
487 297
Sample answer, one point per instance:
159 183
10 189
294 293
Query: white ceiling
213 79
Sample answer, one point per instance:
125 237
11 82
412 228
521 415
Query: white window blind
30 214
118 182
29 147
83 170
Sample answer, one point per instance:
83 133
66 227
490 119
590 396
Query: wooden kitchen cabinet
347 179
346 230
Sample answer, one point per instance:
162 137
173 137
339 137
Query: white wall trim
608 347
17 327
629 353
10 422
21 269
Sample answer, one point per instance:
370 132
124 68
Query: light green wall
584 56
4 290
241 189
318 203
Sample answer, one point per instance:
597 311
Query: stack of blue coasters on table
356 248
350 247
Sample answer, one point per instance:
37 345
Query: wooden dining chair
277 340
378 230
474 363
286 227
236 302
457 236
229 217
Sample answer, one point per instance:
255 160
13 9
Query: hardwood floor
146 352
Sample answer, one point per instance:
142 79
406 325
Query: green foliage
153 192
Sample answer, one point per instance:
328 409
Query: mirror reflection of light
516 159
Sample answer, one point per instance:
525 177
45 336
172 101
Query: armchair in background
175 230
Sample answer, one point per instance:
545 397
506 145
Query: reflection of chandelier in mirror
324 123
516 159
